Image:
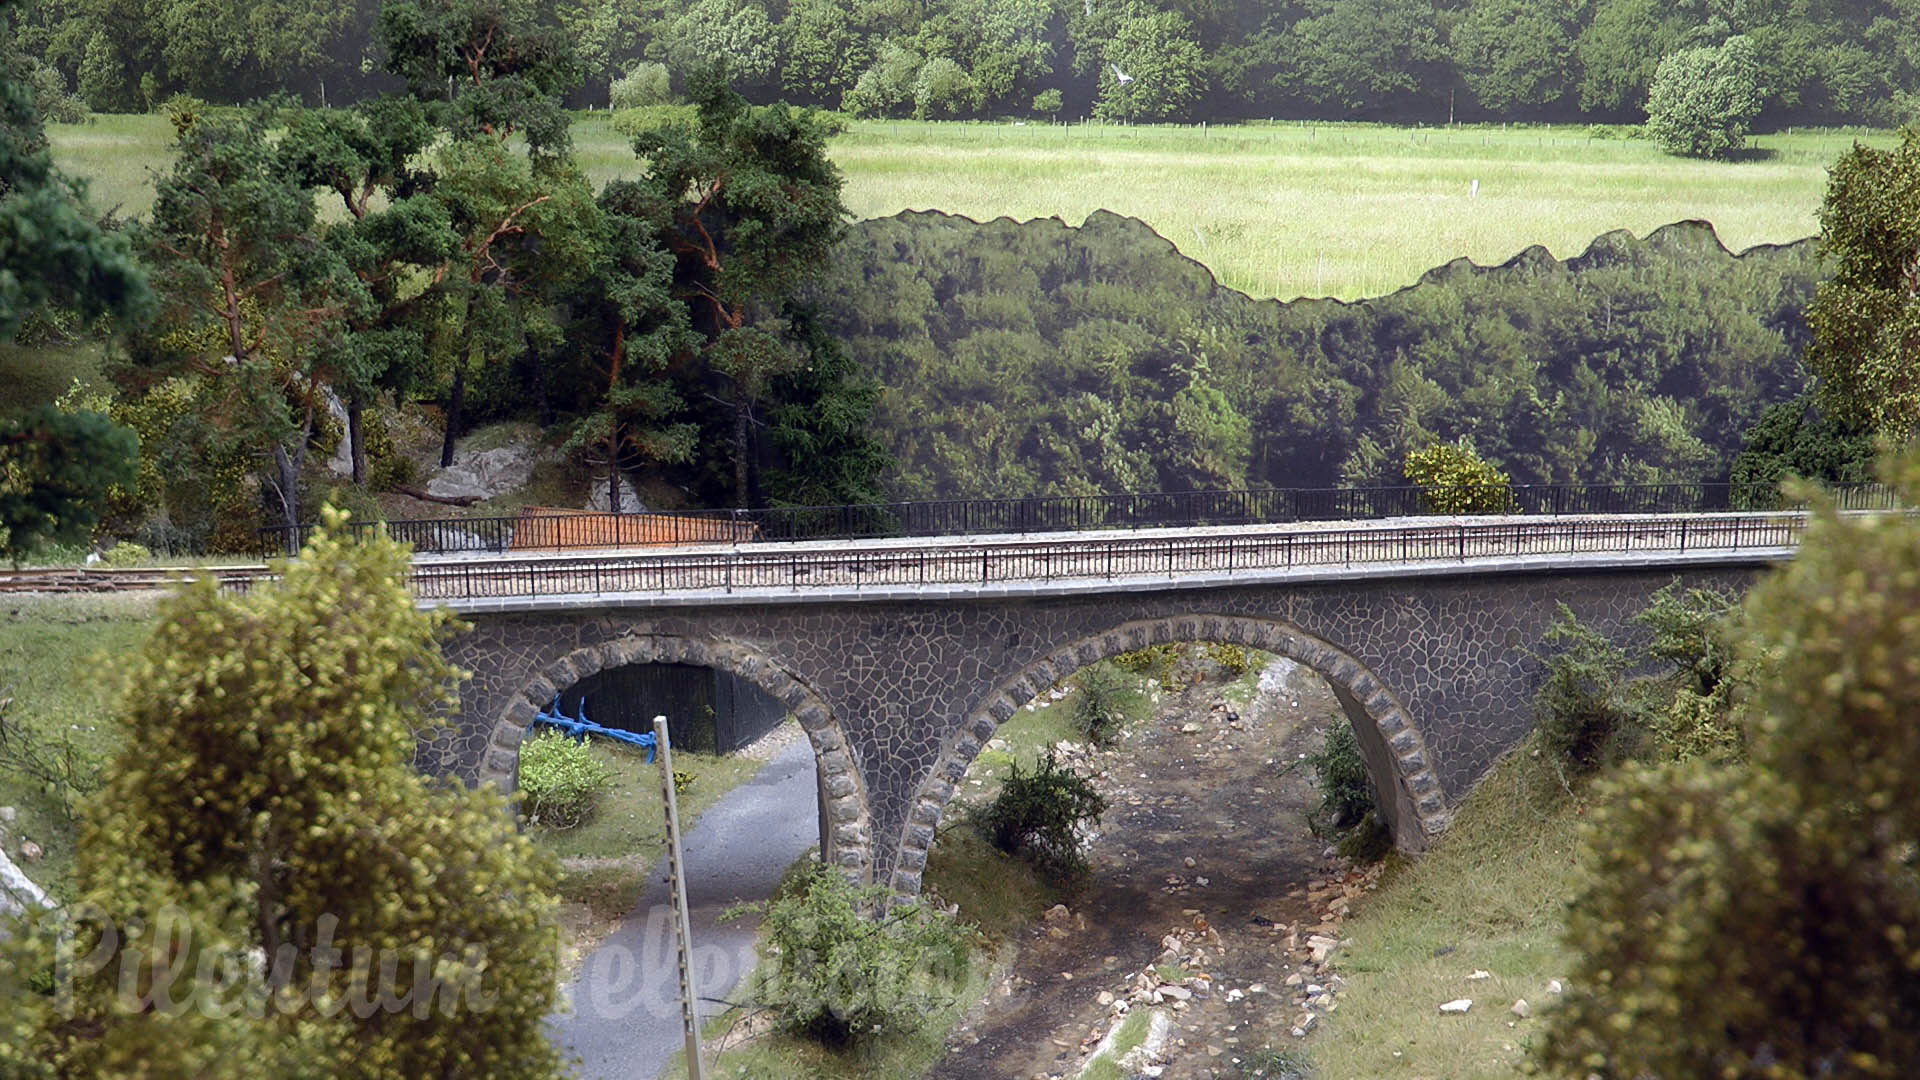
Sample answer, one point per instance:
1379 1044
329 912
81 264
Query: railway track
103 580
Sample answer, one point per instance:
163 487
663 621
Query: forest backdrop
1812 61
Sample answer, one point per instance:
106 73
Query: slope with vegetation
1044 359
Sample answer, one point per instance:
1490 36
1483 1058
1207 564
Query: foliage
1797 439
842 971
1346 788
1041 814
1702 99
270 809
1155 662
1152 69
1233 660
747 206
1865 318
56 472
1400 59
1722 929
1106 696
1453 479
560 780
1580 709
51 250
644 84
1048 360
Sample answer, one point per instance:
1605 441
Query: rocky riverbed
1209 901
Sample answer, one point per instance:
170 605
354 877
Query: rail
1118 560
974 517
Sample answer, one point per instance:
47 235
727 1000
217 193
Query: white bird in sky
1119 76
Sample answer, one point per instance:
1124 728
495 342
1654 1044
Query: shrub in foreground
840 971
560 780
1763 920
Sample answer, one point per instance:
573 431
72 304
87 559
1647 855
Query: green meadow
1281 210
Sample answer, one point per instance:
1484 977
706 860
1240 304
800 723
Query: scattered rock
1478 975
8 814
1457 1005
1520 1008
29 851
1553 986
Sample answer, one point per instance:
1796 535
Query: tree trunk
740 455
454 402
356 442
287 480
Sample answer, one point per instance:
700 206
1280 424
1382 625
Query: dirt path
1204 838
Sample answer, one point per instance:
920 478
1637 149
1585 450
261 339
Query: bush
561 780
1041 814
1455 479
1106 698
1346 788
1234 660
1701 100
1579 709
647 84
1154 661
124 554
1047 102
839 973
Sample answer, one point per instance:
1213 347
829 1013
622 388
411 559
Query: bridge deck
966 567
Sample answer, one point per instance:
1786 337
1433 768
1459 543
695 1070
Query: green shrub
124 554
560 780
1346 789
1580 710
1106 698
840 973
1454 479
1040 815
646 84
1155 661
1234 660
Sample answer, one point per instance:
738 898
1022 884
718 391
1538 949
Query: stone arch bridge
901 657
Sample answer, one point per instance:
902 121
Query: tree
1380 58
56 471
1702 99
1515 55
487 70
1455 479
307 904
255 307
1153 69
55 467
750 209
1764 920
50 250
1866 317
1621 48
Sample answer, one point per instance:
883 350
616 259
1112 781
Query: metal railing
973 517
1117 560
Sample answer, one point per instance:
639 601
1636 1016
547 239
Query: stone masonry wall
897 698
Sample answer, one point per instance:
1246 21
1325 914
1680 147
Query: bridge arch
847 825
1407 790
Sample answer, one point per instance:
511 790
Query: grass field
1284 210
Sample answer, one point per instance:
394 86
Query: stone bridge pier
1435 670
